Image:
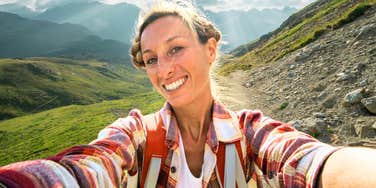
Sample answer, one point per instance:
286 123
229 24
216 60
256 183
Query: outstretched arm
349 167
281 155
98 164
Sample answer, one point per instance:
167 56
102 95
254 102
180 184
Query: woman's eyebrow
173 38
146 51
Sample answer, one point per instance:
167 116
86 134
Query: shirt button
270 175
173 169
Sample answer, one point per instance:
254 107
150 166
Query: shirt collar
224 126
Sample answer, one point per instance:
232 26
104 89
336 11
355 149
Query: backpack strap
230 165
153 172
233 164
155 150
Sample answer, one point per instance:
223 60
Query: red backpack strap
155 143
221 159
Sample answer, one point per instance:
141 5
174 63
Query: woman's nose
165 67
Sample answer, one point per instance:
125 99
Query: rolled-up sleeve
98 164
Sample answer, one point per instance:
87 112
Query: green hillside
37 84
45 133
296 32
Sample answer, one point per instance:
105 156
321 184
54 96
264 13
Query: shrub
357 11
283 105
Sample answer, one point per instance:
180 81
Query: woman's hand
349 167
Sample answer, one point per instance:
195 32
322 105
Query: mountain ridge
23 37
122 17
97 17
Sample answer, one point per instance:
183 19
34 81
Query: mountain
46 133
23 37
316 72
37 84
239 26
18 9
107 21
117 22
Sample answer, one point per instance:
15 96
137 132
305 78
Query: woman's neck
194 118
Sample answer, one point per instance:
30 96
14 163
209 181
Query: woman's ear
212 49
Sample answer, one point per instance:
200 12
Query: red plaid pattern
275 154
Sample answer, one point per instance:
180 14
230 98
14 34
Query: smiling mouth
175 85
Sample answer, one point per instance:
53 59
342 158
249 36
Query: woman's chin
179 101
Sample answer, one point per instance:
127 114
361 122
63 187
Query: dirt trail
231 91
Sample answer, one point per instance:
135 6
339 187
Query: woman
193 132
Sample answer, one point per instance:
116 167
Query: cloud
213 5
41 5
221 5
7 2
139 3
35 5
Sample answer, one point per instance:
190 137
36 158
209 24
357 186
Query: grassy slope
37 84
45 133
332 16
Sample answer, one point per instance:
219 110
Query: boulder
319 115
363 83
291 74
297 124
366 31
354 97
302 55
291 66
342 77
316 47
323 95
370 104
314 126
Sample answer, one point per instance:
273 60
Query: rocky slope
327 88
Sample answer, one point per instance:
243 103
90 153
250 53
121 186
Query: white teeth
175 85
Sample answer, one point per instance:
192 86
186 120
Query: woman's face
177 64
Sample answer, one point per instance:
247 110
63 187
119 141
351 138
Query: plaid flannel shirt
275 154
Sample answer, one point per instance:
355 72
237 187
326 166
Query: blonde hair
195 21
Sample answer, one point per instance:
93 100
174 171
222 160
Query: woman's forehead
164 29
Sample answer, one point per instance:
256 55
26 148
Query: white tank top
186 178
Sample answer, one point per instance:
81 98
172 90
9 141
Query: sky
213 5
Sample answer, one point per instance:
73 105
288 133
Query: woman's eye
175 50
151 61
